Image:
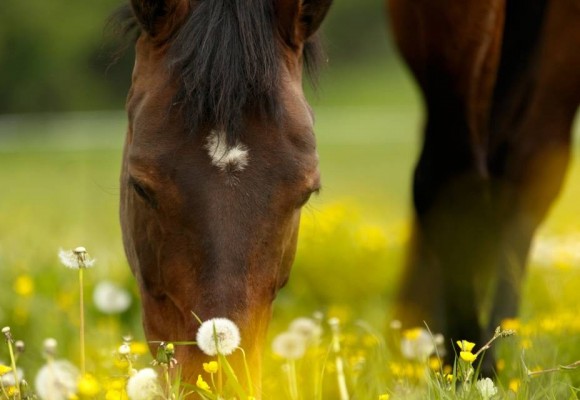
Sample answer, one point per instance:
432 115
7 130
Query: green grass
60 190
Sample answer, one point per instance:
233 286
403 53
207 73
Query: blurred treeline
56 55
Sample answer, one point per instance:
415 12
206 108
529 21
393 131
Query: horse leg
531 149
452 48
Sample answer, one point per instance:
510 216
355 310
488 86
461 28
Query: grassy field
59 175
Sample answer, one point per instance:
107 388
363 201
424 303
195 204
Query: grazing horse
219 158
500 81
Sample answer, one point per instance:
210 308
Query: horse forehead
224 156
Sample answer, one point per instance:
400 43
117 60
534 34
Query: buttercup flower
486 388
210 367
75 259
57 380
467 356
464 345
227 337
144 385
110 298
289 345
202 384
88 386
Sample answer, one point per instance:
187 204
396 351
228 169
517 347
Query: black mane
227 57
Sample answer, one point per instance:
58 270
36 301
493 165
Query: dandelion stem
13 365
574 365
82 320
248 377
293 379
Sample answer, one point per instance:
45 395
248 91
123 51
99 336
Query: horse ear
300 19
153 14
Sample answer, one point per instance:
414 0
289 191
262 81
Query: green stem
13 365
82 320
292 380
248 377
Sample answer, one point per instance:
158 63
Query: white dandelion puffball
143 385
76 258
8 378
307 327
227 336
418 346
111 298
486 388
289 345
57 380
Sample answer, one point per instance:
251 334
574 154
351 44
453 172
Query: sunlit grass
59 175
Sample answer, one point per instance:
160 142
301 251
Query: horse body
501 85
217 164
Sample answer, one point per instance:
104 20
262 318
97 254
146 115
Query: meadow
59 175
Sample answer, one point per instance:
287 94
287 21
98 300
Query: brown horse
501 85
219 158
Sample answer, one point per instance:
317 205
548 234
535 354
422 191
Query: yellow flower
412 334
23 285
115 394
467 356
202 384
435 363
510 324
139 348
210 367
514 385
449 377
464 345
385 396
4 369
88 386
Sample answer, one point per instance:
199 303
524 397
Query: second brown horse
501 85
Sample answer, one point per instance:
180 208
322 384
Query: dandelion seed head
289 345
227 336
307 327
49 346
124 349
8 379
57 380
111 298
417 344
74 259
144 385
486 388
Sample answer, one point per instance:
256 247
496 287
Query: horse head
219 158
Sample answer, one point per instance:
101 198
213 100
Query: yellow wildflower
464 345
202 384
514 385
412 334
139 348
115 394
210 367
384 396
510 324
467 356
449 377
4 369
23 285
435 363
88 386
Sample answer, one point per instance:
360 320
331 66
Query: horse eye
142 192
307 196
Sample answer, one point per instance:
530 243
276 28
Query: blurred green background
61 130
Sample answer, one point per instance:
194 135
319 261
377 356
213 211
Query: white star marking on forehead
227 159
